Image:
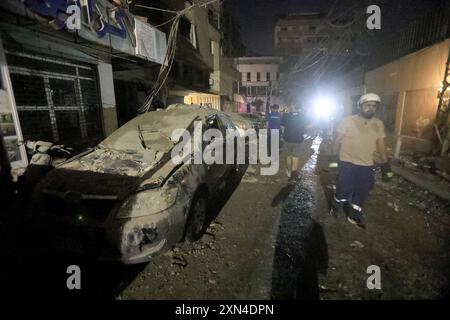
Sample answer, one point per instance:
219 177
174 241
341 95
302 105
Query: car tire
197 218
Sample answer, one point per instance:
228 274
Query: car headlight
147 202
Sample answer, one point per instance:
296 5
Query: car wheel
197 218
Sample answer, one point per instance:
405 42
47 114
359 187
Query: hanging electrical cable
167 64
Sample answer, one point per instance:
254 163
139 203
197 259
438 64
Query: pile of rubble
179 254
414 196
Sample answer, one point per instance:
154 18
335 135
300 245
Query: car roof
164 121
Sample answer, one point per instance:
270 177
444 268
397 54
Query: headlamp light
147 202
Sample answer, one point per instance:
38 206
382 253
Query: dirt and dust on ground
268 240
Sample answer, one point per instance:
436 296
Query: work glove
386 172
333 161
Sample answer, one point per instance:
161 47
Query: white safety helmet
369 97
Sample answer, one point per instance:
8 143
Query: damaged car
126 199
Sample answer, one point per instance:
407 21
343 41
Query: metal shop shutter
57 100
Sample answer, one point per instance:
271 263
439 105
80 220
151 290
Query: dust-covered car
126 199
241 123
246 121
257 121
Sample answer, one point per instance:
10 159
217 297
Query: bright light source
323 107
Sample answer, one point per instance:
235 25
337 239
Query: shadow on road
301 251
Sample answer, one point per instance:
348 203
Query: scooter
44 157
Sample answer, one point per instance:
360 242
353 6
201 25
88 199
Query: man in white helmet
357 138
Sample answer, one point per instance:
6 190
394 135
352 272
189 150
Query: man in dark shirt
293 126
274 118
273 123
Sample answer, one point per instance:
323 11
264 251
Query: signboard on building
145 40
103 22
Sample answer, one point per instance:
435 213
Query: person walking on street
273 123
357 138
274 118
293 127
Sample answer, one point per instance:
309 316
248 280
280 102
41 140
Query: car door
228 126
216 170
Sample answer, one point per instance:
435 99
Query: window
188 31
268 76
312 28
185 27
249 76
278 76
258 76
211 46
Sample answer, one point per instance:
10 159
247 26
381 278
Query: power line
156 9
167 64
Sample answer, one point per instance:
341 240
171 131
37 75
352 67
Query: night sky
257 17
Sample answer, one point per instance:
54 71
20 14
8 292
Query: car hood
104 160
106 174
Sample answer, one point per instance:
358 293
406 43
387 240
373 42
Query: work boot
335 207
355 217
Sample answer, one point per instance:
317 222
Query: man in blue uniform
273 123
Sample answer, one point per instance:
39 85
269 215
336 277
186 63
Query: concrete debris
208 238
409 193
425 181
326 289
179 261
169 253
356 244
394 206
251 169
249 180
212 281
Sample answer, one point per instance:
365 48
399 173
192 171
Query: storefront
56 100
58 85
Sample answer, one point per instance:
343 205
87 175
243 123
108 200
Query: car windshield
152 130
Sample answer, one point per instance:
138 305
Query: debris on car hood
103 160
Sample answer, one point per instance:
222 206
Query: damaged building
78 86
